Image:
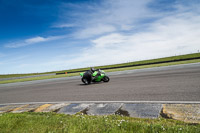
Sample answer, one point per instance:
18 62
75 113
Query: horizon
37 36
100 66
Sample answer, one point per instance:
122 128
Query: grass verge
60 123
21 75
154 65
109 70
37 78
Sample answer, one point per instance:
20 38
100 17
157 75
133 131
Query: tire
106 79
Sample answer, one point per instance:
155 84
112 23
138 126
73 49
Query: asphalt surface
172 83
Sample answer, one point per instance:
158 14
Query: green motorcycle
96 76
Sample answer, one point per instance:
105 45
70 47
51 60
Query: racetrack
172 83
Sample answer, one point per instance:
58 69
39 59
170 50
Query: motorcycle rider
98 73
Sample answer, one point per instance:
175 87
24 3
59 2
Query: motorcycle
97 76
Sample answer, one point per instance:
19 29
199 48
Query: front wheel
106 79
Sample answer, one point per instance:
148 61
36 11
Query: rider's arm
95 73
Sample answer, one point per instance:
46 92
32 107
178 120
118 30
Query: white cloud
109 16
31 41
64 25
118 32
94 30
122 12
35 40
108 41
126 27
171 35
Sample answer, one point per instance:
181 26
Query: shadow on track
94 83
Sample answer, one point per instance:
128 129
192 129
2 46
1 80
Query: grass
20 75
109 70
37 78
154 65
60 123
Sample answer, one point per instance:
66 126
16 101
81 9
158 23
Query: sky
51 35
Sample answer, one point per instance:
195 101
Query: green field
60 123
174 58
21 75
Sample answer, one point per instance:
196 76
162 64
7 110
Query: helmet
92 69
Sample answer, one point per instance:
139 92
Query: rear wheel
106 79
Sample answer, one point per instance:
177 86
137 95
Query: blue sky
41 36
